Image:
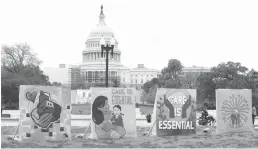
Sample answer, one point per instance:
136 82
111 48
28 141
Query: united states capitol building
91 72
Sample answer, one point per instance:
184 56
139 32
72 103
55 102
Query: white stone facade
194 69
93 67
58 75
91 72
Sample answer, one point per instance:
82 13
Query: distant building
140 75
62 65
91 72
191 74
83 96
73 96
68 76
60 74
80 96
75 79
194 69
93 66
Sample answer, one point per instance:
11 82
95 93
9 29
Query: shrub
148 117
205 119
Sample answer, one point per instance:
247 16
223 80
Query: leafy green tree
116 82
19 66
189 79
169 78
205 118
164 70
205 87
17 57
172 83
149 96
174 67
253 83
56 84
149 90
228 75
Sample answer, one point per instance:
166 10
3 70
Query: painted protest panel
234 110
175 112
113 113
153 119
45 113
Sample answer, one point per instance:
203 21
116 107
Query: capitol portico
91 72
92 68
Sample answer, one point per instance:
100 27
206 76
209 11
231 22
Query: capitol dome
101 28
92 52
92 71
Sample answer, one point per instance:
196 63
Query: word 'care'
122 96
177 99
122 91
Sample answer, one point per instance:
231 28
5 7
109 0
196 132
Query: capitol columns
107 47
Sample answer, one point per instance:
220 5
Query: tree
116 82
189 79
17 57
253 79
172 83
143 96
56 84
205 118
164 70
149 90
150 95
147 86
205 88
19 66
174 67
169 79
253 83
228 75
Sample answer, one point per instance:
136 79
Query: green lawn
198 140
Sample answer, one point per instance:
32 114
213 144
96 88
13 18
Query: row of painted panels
45 112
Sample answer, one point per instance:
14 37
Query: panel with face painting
113 113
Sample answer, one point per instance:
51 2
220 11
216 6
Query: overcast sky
149 32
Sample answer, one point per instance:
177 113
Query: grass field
200 140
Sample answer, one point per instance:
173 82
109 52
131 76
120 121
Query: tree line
229 75
19 66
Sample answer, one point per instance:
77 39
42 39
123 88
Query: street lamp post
107 47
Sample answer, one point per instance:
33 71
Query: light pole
107 47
